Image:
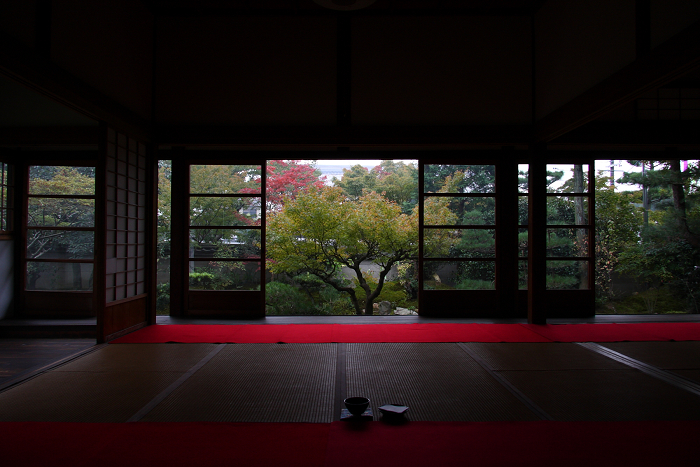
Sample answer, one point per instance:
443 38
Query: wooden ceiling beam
343 136
667 62
39 74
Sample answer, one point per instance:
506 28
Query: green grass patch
653 301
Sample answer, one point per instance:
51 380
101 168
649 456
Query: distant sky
363 162
334 168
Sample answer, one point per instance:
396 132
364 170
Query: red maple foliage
287 178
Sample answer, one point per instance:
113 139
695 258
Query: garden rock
384 308
404 312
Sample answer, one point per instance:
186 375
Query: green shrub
392 291
163 299
408 277
474 284
201 279
562 282
332 302
285 299
660 300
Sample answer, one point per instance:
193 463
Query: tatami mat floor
307 382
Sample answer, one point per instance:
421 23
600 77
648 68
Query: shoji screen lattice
125 246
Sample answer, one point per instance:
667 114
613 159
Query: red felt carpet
321 333
545 443
435 332
570 444
163 444
617 332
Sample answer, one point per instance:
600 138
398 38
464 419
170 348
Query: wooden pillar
537 231
43 17
19 229
99 272
421 219
643 27
507 233
343 71
152 232
179 236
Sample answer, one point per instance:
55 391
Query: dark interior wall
17 19
578 44
23 107
108 45
6 277
256 70
669 17
441 70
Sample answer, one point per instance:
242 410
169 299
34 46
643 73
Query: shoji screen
125 229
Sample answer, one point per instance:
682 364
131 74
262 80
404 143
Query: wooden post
507 233
99 271
152 231
537 231
178 237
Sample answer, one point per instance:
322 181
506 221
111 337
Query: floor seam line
536 409
169 390
340 379
658 373
40 370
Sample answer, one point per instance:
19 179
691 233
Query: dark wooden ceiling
309 7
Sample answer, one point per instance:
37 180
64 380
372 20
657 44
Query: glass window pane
459 243
523 242
567 242
60 244
224 211
523 178
225 243
567 275
522 274
523 212
59 276
567 178
224 275
61 180
567 210
459 178
459 211
61 212
459 275
225 179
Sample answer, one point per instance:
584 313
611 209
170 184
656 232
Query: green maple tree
322 230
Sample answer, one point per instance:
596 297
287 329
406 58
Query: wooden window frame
53 303
7 199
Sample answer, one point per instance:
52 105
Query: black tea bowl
356 405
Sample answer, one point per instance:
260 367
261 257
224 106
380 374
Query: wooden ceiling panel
380 7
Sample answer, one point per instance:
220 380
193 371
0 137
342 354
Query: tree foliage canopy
397 181
322 230
667 250
61 212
